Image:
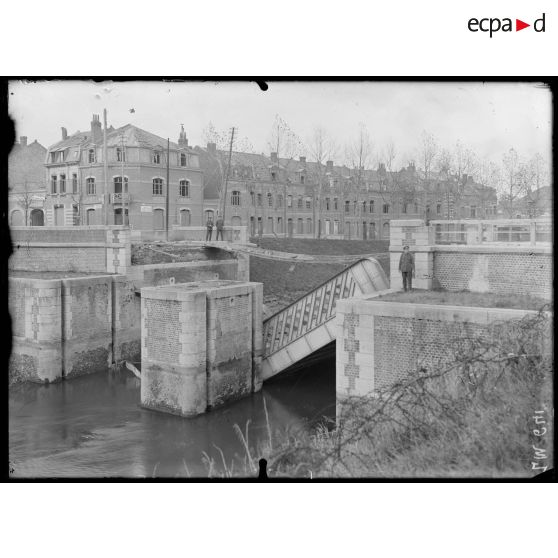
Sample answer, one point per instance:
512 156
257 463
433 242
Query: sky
487 118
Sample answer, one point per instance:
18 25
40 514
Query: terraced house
296 197
135 188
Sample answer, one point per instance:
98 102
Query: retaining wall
379 343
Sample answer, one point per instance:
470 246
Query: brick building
26 183
135 189
296 197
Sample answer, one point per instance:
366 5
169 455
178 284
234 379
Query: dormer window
120 154
183 160
91 156
156 157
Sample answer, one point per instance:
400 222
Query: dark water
93 426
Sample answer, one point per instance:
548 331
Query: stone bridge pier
201 345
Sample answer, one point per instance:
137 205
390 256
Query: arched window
16 218
37 218
372 231
385 231
91 155
208 215
90 217
90 186
289 201
327 205
157 186
299 203
184 217
183 159
300 226
269 199
309 226
252 197
280 200
347 206
385 208
184 188
235 197
364 207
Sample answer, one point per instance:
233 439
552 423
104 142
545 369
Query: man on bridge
220 225
209 226
407 268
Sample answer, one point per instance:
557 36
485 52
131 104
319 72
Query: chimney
182 139
329 165
212 148
64 133
273 155
23 141
96 129
303 160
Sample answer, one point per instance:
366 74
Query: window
302 179
299 203
300 226
280 200
416 208
252 198
364 207
235 197
62 156
156 157
308 203
473 211
118 184
289 201
74 184
404 208
371 205
53 157
183 160
385 208
184 218
62 183
308 226
90 185
354 207
273 175
347 206
184 188
53 184
91 155
335 204
158 219
269 200
120 154
259 200
157 186
438 208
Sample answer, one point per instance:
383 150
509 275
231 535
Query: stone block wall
199 345
76 249
379 342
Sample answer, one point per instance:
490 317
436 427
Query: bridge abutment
201 345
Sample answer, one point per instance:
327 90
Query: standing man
407 268
209 226
220 225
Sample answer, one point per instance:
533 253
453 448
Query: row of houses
65 185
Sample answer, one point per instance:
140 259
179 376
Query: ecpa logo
494 24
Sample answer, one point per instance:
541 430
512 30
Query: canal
93 426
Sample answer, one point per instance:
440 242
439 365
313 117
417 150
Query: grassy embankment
474 417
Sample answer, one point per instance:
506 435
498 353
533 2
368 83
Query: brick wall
504 273
75 249
378 343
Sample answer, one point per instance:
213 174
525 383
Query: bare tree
427 152
514 181
536 175
322 148
25 199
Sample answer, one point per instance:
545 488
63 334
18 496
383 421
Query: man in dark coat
209 226
220 225
407 268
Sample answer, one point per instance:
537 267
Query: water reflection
94 426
